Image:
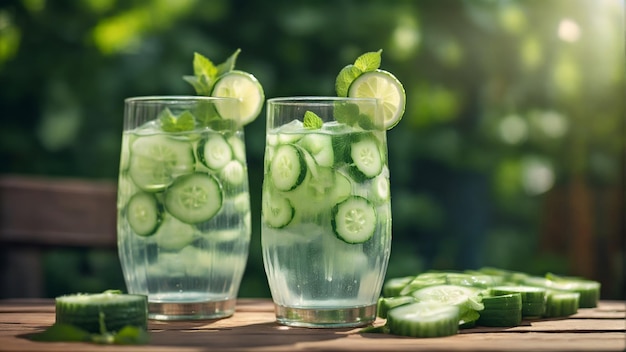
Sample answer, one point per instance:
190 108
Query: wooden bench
39 213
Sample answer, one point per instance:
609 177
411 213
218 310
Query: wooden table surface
253 328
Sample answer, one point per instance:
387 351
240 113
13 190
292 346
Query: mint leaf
345 78
172 123
185 121
347 113
228 65
62 332
200 86
128 335
312 121
202 66
369 61
167 120
131 335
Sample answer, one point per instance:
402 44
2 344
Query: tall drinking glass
326 211
183 205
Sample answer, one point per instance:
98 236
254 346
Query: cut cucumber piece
467 299
354 220
194 198
381 189
366 156
143 214
156 160
238 146
385 304
451 295
214 151
561 303
115 309
321 148
533 298
502 310
423 320
288 168
173 234
385 87
234 173
394 286
277 210
245 87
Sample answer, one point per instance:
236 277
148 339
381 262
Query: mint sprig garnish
206 73
173 123
367 62
128 335
312 121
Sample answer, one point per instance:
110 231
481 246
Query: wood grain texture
253 328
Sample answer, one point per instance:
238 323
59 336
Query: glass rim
316 100
175 98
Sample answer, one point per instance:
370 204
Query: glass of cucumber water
326 209
183 205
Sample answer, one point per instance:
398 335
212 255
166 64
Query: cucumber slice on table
288 167
115 309
156 160
561 303
214 151
366 156
354 220
501 310
194 198
385 304
423 320
142 212
533 298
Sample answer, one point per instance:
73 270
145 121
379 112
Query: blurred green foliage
514 119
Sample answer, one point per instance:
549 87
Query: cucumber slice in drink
354 220
194 198
321 148
233 173
385 87
288 168
239 148
156 160
214 151
117 310
423 320
173 234
142 213
277 210
246 88
366 156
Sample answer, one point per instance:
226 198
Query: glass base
191 310
325 317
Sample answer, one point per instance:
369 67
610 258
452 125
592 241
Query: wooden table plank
253 328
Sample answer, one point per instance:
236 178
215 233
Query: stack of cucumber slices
435 304
110 317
